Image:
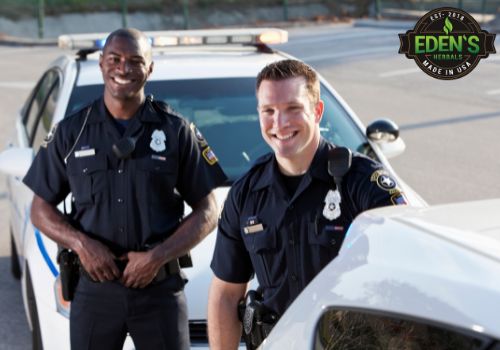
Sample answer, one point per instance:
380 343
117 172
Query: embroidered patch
50 136
158 139
331 211
199 137
209 156
399 198
384 181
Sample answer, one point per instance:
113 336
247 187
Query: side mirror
16 161
385 133
382 130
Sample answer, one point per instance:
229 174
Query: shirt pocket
88 179
326 238
159 179
263 249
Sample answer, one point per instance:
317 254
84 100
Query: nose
124 66
280 119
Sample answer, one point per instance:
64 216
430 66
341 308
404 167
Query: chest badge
158 139
331 211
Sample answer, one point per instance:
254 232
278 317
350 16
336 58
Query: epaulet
361 162
163 107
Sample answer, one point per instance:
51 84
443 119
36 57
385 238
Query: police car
405 278
209 77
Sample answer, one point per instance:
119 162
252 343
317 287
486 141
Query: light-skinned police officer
287 217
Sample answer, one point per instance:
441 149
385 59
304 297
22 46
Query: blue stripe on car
44 253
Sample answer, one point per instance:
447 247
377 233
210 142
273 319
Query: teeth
122 81
284 137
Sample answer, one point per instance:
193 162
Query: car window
37 101
45 117
354 329
225 111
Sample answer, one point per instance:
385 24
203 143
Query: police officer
286 218
130 162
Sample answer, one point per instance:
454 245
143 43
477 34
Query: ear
150 69
101 58
319 108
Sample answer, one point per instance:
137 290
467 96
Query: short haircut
133 35
287 69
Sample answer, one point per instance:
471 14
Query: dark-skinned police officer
286 218
130 163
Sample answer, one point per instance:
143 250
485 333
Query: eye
136 63
295 109
267 111
113 60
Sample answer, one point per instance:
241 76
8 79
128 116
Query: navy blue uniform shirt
130 203
286 240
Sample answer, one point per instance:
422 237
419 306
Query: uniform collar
146 113
318 169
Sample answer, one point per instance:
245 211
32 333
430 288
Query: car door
33 124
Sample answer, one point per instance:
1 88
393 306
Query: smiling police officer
287 217
130 163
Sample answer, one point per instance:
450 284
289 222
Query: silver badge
158 139
331 211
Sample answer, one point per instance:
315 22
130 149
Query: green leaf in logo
447 26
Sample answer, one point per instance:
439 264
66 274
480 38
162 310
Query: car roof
437 264
197 63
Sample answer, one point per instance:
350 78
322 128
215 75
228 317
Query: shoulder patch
385 181
399 198
198 135
50 136
209 156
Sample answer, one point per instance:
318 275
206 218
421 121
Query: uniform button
85 170
333 241
119 200
121 229
293 277
120 171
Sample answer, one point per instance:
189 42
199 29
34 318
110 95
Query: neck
123 108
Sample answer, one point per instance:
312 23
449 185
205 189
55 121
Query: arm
224 328
143 266
94 256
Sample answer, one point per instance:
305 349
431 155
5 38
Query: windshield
225 111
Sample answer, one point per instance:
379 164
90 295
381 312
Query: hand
141 269
98 261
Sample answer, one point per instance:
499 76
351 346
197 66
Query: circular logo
386 182
447 43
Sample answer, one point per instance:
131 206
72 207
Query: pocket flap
261 241
87 165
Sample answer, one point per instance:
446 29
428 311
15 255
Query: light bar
158 39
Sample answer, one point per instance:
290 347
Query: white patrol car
405 278
209 77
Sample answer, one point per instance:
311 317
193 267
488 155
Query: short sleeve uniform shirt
287 239
129 203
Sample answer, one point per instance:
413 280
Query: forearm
224 328
54 225
94 256
194 228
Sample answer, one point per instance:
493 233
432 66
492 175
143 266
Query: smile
120 81
286 137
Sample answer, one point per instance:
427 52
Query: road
450 127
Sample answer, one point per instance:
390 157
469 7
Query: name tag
253 228
157 157
85 153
